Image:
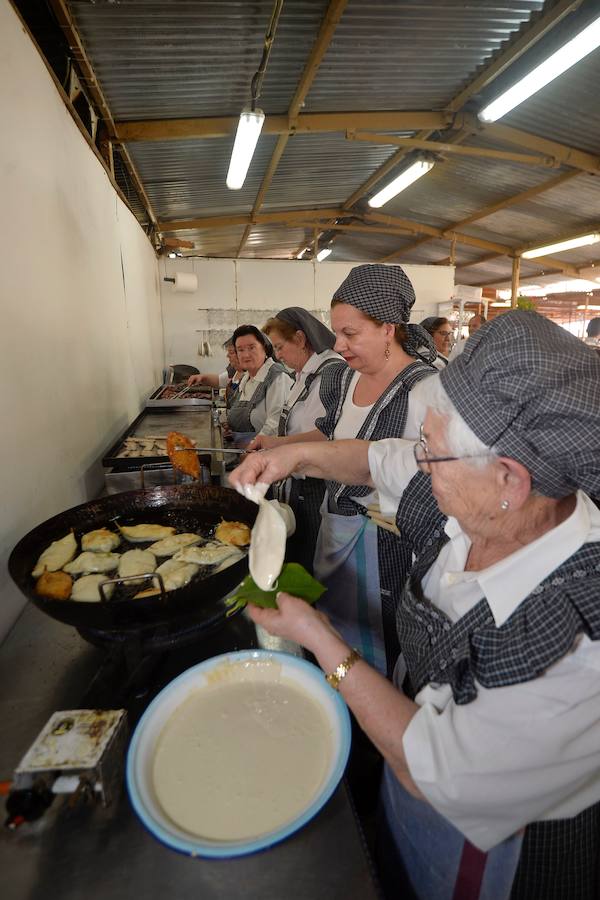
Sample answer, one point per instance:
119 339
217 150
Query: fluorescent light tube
248 131
323 254
422 167
574 50
590 306
582 241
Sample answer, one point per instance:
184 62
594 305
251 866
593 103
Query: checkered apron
238 414
361 564
304 495
551 860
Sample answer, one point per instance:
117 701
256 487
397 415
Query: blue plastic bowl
143 745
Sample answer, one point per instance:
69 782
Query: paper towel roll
185 283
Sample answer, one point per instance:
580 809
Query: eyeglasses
445 333
423 459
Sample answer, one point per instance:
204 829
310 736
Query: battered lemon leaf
293 579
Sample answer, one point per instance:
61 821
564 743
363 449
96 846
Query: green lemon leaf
293 579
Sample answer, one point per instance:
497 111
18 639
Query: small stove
134 667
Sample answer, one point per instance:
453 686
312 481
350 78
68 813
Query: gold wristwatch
340 672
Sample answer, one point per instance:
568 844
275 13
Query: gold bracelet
340 672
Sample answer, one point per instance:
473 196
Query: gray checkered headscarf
387 294
531 390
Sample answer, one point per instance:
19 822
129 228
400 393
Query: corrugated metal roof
213 241
391 55
194 57
186 179
322 169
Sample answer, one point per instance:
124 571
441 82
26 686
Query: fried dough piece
87 588
210 554
236 533
100 541
169 546
56 555
176 574
88 562
55 585
185 462
141 534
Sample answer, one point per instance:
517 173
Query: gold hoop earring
387 351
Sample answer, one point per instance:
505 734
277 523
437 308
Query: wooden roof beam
461 150
290 217
67 24
328 26
305 123
485 211
562 153
500 249
515 49
495 67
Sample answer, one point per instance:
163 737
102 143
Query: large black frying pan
187 507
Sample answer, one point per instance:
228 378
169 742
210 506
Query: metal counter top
101 853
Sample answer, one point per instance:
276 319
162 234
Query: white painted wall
81 341
235 292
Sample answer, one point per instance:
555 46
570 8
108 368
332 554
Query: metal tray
156 399
195 423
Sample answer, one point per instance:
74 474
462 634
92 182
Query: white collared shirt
304 415
523 752
265 415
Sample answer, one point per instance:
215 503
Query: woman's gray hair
460 439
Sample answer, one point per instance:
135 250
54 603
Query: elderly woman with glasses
491 730
440 330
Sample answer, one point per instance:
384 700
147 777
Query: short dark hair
262 339
593 327
432 323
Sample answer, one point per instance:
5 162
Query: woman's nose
340 343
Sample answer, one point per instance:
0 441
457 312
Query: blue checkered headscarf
531 390
387 294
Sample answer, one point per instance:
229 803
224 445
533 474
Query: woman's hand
295 620
263 442
195 379
268 466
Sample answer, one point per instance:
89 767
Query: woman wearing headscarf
305 345
263 389
362 561
492 737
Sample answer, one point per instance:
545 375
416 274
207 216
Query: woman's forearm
382 711
344 461
304 437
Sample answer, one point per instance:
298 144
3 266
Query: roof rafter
304 123
326 31
485 211
90 80
499 63
439 147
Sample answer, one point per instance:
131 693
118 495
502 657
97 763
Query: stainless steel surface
157 400
100 853
116 481
201 425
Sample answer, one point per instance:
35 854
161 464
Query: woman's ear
515 482
300 339
389 331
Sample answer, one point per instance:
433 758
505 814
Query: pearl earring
505 504
387 351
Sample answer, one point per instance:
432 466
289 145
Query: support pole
516 269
